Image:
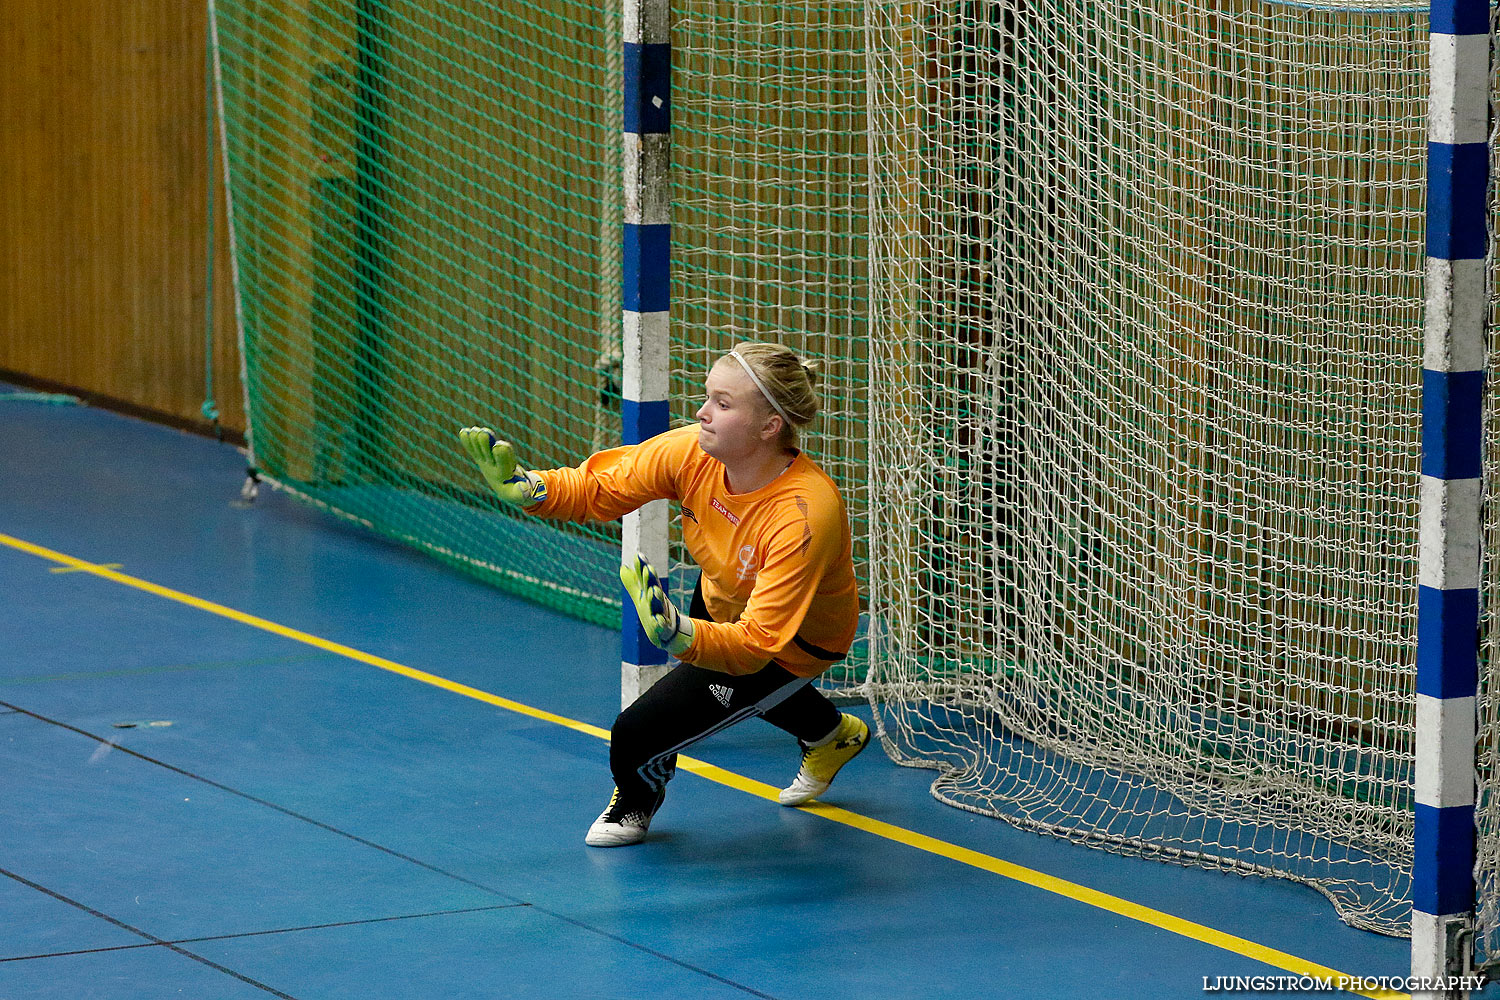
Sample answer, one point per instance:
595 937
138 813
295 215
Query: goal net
427 226
1145 381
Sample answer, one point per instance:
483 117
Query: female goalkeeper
776 602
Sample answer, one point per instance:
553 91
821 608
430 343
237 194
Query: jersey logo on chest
747 563
732 518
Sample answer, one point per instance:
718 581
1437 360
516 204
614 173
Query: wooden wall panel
103 221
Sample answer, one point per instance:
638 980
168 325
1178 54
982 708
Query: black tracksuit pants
691 703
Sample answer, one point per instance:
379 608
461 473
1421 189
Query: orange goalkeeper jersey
778 569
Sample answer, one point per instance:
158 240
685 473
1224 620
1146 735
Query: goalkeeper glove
665 626
497 461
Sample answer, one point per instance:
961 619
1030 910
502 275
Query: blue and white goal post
1443 891
647 291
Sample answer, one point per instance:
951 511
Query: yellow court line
1092 897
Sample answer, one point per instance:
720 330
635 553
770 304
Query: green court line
88 675
1080 893
75 569
267 933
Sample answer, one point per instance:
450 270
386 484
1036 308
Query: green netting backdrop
427 207
426 202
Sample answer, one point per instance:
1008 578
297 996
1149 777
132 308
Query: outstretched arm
616 481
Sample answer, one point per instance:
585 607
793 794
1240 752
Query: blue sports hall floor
252 750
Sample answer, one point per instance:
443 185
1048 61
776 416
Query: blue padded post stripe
1447 646
634 646
1456 179
648 88
1460 17
1451 424
1442 873
644 420
648 267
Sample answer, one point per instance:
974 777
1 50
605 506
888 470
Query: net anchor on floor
251 487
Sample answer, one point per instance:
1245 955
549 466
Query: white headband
748 371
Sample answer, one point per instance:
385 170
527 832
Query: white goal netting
1121 308
1145 384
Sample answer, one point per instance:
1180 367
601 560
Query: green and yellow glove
497 461
665 626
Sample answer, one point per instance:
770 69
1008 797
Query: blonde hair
786 381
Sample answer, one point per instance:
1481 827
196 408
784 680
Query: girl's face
735 421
